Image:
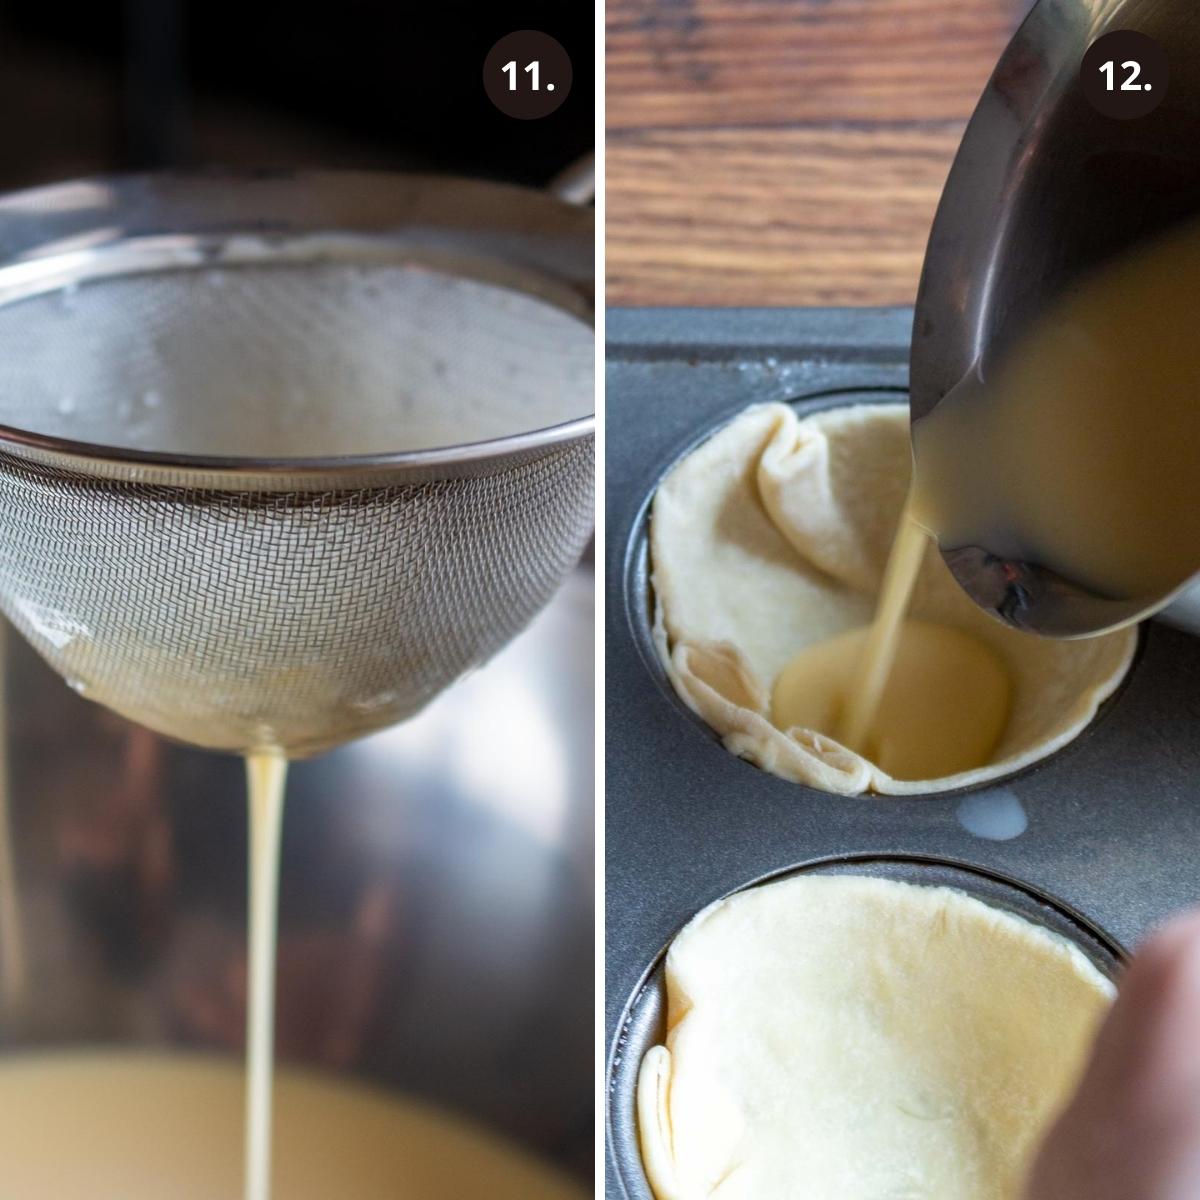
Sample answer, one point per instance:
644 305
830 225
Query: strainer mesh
297 620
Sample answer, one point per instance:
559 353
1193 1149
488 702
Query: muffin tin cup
643 1021
1097 842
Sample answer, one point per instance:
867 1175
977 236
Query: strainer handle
576 184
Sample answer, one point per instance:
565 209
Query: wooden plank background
785 152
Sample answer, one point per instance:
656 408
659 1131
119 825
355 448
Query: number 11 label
527 75
532 69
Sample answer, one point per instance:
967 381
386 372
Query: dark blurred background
100 85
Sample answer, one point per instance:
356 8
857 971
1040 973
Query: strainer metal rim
91 459
54 235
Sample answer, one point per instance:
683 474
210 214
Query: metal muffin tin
1112 820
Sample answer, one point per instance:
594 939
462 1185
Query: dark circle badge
1124 74
527 74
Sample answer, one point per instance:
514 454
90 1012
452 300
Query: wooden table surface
785 152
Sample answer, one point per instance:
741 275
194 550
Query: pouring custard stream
1077 455
266 775
919 699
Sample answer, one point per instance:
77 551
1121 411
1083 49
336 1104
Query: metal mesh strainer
282 457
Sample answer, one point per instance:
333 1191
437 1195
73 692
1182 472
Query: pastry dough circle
835 1036
772 535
